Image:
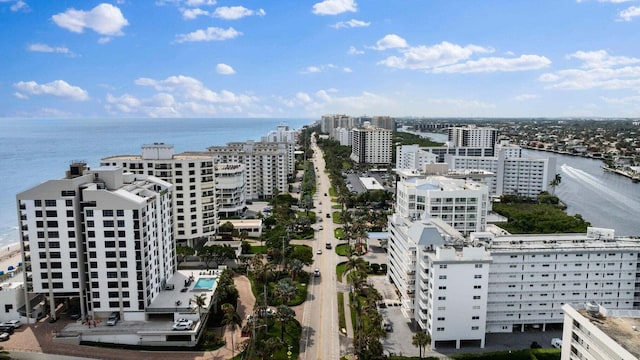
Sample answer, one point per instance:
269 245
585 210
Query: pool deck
183 301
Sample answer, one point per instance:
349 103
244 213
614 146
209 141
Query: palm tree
231 321
286 290
554 183
200 302
284 315
422 341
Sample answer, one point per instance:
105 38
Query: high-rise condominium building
281 134
472 137
461 204
268 165
102 235
384 122
328 123
197 201
413 157
371 145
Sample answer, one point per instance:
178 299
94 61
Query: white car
182 324
316 272
319 252
4 336
556 343
13 323
320 227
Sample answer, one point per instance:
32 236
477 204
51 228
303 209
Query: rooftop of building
180 291
558 242
622 326
188 155
443 183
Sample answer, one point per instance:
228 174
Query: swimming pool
204 284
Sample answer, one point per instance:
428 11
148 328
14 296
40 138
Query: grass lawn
332 191
340 270
342 249
338 233
342 322
259 249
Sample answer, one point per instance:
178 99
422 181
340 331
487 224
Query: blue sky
299 58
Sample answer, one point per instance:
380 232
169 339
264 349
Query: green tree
285 290
231 321
422 341
555 182
284 315
182 252
200 301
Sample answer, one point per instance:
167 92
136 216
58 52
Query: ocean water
36 150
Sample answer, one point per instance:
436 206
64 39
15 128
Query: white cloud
598 70
390 41
525 97
105 19
58 88
317 69
19 5
20 96
600 59
629 13
353 51
350 24
179 96
49 49
200 2
347 70
236 12
209 34
430 57
304 97
225 69
190 14
627 100
495 64
334 7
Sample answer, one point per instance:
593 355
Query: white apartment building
472 137
344 136
461 204
523 280
595 332
102 235
371 145
442 287
330 122
281 134
230 188
195 197
413 157
268 165
384 122
513 174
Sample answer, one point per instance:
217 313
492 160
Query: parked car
4 336
13 323
181 326
7 329
556 343
75 315
113 318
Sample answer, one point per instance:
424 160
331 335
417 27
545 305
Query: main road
320 336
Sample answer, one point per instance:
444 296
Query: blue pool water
204 284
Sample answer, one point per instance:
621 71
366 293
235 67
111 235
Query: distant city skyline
302 59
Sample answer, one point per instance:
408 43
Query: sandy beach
10 256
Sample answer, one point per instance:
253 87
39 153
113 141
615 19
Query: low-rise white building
513 174
413 157
525 279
